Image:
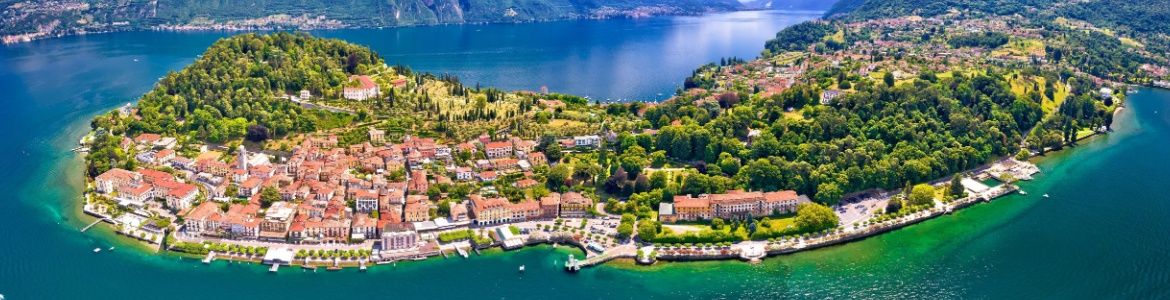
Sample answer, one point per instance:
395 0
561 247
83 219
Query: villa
365 88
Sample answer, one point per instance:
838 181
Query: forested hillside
38 19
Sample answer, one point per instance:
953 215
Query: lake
1102 234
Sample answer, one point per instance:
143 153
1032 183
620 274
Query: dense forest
880 137
799 37
236 82
981 39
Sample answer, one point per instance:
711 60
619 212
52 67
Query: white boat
96 250
521 268
1022 192
1045 195
111 249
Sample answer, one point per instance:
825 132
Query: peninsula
289 149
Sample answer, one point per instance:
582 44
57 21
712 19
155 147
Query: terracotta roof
574 198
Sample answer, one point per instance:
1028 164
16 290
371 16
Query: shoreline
29 37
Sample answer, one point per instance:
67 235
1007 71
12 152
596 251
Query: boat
96 250
1045 195
1022 192
521 268
111 249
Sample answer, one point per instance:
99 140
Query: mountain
26 20
790 4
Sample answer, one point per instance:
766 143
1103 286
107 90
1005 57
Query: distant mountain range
790 4
26 20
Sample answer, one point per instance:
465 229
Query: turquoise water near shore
1102 234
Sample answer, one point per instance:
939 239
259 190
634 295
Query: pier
210 257
623 251
462 252
95 222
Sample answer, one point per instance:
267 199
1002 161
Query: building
365 200
525 211
377 136
459 212
274 227
364 227
1106 93
204 219
666 213
416 211
487 211
587 141
550 206
464 174
498 149
730 205
241 221
114 178
828 95
417 183
362 87
574 205
689 208
781 202
399 237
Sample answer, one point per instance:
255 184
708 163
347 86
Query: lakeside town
787 152
316 208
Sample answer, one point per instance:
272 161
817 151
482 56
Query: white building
365 89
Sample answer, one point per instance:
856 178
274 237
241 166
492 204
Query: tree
888 79
893 206
1023 154
717 223
625 230
813 217
257 133
647 230
558 177
922 194
828 193
269 195
956 187
553 153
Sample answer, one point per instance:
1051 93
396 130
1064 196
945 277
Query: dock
210 257
95 222
274 267
462 252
